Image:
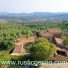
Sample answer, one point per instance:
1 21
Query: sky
27 6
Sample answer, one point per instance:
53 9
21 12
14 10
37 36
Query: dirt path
19 48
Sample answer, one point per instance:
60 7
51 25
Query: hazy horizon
33 12
29 6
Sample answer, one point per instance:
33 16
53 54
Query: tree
41 49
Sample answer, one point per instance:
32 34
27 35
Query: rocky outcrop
53 35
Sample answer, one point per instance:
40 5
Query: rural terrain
34 36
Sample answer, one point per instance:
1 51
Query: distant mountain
27 14
35 16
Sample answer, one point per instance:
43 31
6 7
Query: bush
41 49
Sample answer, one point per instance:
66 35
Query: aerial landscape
34 34
25 39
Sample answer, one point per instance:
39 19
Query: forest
10 32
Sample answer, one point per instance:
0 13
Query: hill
35 16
